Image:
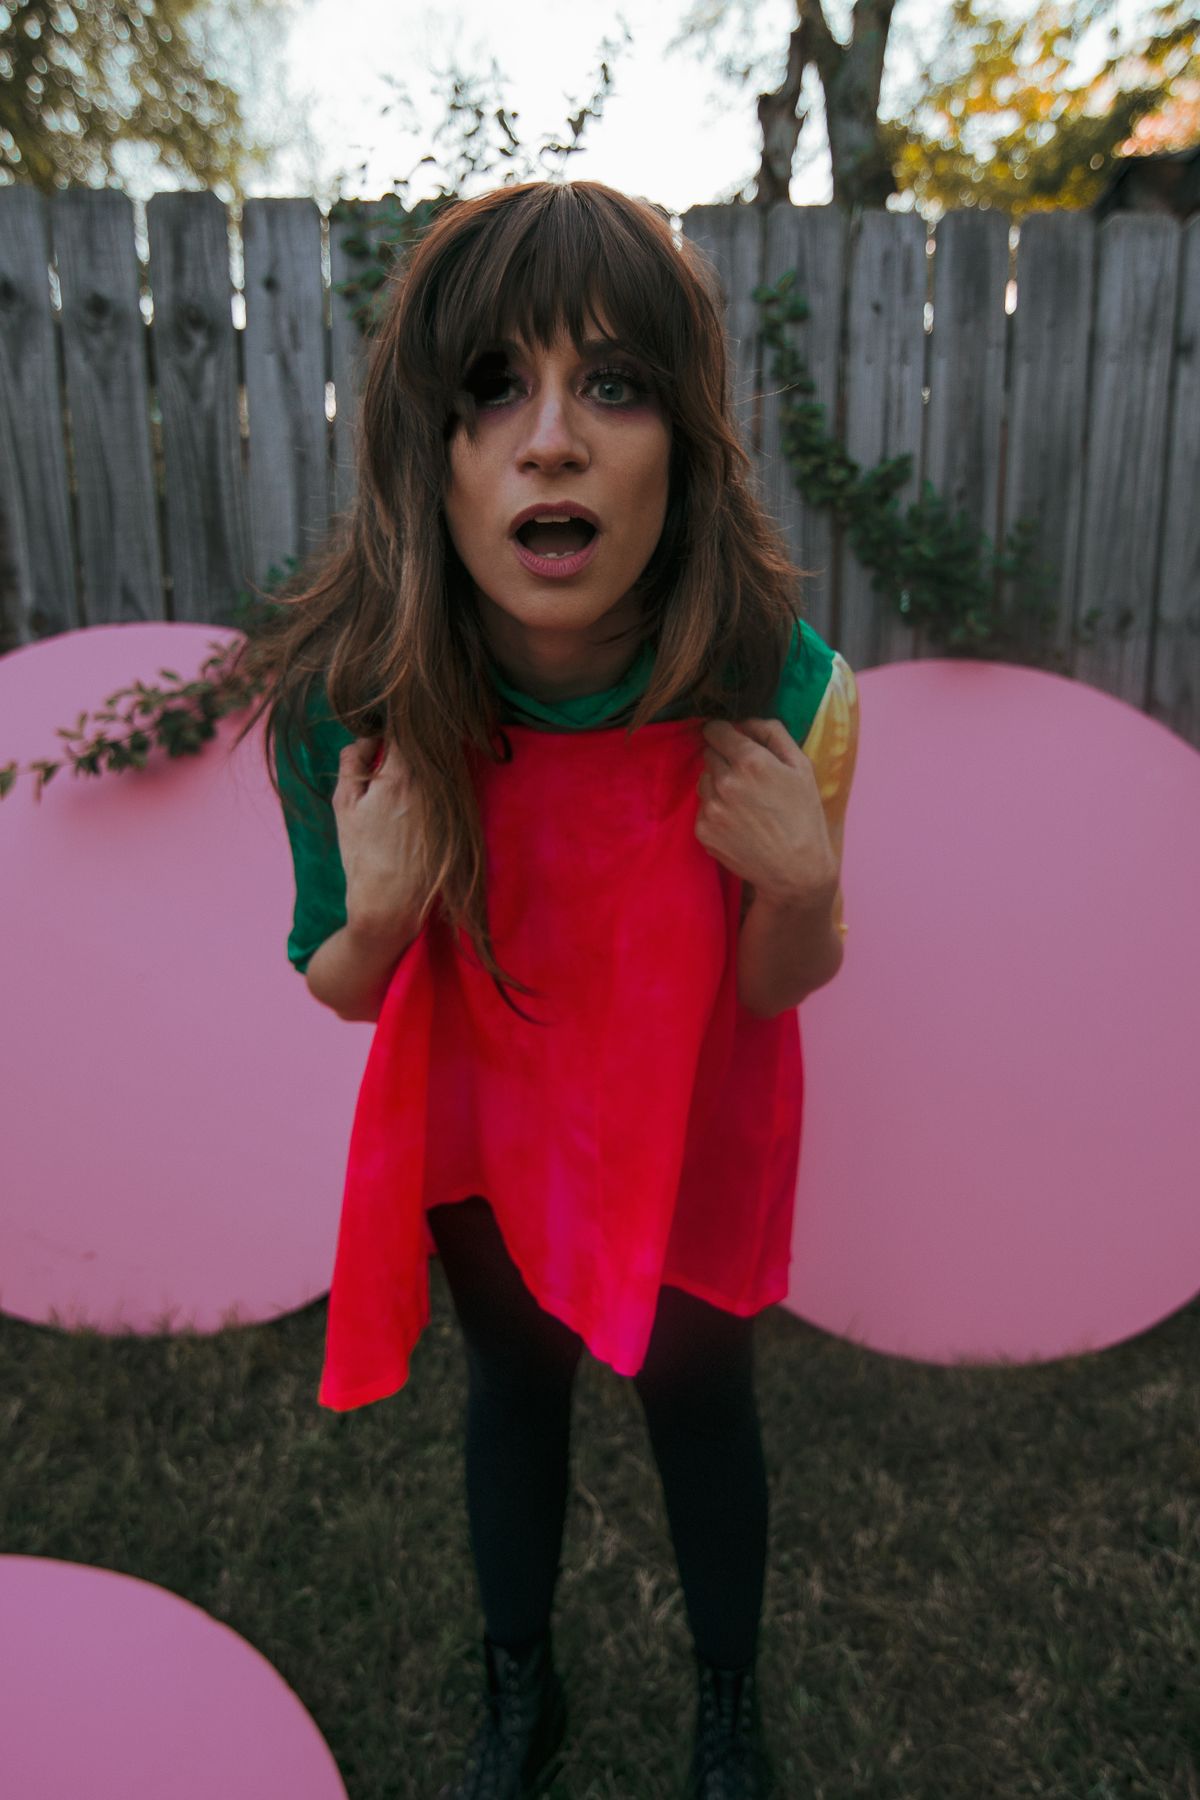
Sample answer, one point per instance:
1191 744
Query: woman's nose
555 434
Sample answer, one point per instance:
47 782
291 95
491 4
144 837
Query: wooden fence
164 437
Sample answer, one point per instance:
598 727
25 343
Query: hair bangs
561 258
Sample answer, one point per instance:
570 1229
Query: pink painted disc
113 1686
1002 1142
174 1105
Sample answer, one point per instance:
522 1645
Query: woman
546 717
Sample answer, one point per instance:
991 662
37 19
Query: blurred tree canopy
994 117
78 80
1008 126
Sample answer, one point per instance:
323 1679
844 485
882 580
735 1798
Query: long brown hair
383 617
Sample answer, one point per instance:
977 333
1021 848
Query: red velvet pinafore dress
645 1131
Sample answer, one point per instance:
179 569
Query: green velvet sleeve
805 680
320 907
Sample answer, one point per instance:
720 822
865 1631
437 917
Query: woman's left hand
760 811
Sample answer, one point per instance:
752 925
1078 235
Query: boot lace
493 1754
728 1764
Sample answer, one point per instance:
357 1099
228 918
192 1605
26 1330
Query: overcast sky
673 128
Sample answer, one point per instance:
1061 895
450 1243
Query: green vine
179 719
393 228
938 571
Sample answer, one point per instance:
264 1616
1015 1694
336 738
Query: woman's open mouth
556 550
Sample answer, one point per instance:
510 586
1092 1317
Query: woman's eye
489 382
486 379
634 389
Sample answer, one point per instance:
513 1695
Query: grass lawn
982 1582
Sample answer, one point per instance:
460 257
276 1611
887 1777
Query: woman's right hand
380 821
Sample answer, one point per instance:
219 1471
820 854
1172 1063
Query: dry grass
983 1582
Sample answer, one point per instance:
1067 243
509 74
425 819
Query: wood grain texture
1044 454
884 412
966 365
34 497
1174 695
812 240
1137 280
731 238
208 540
349 354
288 469
105 355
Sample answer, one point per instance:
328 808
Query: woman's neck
572 673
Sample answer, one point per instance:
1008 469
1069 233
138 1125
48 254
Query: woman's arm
787 952
352 970
353 849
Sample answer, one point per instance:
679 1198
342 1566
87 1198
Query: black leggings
697 1391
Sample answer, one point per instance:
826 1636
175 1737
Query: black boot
729 1761
513 1755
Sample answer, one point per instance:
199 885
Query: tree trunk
851 76
862 173
781 123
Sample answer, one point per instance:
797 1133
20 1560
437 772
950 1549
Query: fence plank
812 240
1174 693
731 238
196 372
350 350
108 392
884 411
1137 283
1044 452
965 414
284 346
34 502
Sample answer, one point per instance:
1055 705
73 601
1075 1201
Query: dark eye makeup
491 374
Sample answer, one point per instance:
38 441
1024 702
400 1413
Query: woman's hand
380 824
760 811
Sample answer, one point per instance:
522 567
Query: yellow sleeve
832 748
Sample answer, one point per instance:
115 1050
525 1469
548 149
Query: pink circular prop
173 1102
1002 1139
114 1686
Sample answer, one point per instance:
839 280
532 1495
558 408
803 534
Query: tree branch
781 120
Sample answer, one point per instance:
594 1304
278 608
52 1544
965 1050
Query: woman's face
558 426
